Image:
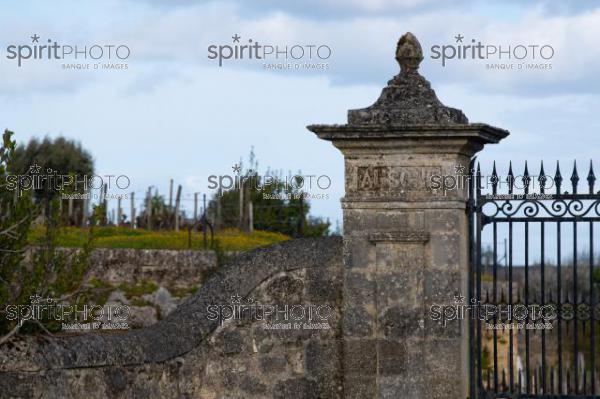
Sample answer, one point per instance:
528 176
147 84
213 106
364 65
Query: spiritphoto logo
299 56
275 317
497 316
520 56
253 180
38 178
101 56
461 178
73 317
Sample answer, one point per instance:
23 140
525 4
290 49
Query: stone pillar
405 238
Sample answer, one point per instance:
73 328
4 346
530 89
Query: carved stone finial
408 98
409 53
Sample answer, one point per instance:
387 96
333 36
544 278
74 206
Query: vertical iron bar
478 293
592 315
575 300
511 381
559 306
543 302
471 213
478 276
527 364
495 292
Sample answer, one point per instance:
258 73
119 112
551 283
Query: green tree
278 203
16 215
61 155
47 272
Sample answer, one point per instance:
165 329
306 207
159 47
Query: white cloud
363 47
167 40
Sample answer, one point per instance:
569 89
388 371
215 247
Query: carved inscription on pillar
373 180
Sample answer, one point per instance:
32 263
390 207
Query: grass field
122 237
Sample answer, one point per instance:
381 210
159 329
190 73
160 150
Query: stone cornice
479 131
400 236
395 203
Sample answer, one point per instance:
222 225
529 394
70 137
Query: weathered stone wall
159 278
188 355
173 268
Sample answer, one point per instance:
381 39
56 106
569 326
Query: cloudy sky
174 113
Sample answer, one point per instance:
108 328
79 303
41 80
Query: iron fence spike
526 179
558 177
510 179
494 180
542 178
574 177
591 178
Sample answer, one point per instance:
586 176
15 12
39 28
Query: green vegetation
95 291
15 220
137 290
485 358
66 157
181 292
51 273
124 237
279 203
33 227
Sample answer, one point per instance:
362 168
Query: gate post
405 237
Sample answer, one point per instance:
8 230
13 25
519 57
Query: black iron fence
534 329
